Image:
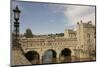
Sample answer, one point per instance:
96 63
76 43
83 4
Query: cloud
74 13
77 13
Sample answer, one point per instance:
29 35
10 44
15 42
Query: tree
28 33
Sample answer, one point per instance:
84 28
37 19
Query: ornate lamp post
16 27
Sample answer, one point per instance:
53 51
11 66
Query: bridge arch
49 56
65 55
33 57
66 52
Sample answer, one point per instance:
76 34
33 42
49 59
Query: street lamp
16 27
16 13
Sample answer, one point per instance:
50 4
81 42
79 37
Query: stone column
57 57
40 59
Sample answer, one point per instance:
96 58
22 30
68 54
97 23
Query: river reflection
49 57
61 60
66 60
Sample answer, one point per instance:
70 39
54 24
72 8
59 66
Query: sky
46 18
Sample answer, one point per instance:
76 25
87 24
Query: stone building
86 36
69 33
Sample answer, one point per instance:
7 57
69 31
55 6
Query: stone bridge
60 47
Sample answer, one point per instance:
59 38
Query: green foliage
56 35
28 33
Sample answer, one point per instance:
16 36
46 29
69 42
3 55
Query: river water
65 60
48 58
